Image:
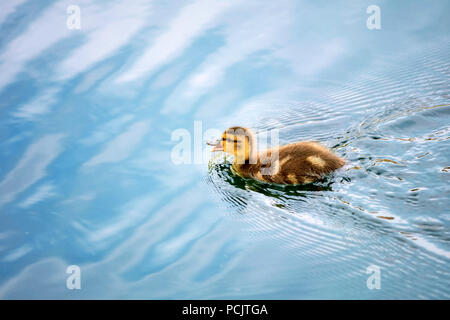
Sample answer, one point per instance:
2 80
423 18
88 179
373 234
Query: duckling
296 163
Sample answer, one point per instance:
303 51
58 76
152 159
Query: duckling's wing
306 162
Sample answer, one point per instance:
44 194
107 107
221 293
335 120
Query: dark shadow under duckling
295 163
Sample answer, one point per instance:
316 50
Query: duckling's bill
217 146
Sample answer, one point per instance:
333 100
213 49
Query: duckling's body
296 163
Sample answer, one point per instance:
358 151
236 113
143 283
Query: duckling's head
237 141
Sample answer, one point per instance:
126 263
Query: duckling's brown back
302 162
311 156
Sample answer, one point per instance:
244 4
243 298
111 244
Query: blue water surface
88 176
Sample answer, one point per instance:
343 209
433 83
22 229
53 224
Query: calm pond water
87 118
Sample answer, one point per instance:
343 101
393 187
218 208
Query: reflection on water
86 118
222 172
